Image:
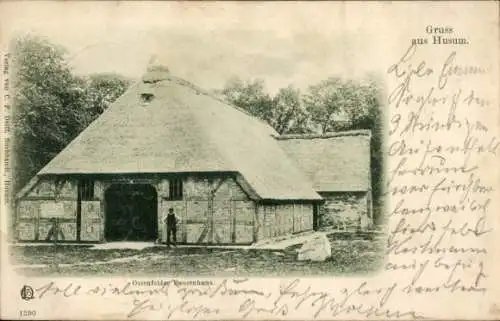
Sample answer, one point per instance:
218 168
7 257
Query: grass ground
349 256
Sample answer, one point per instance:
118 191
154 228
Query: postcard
249 160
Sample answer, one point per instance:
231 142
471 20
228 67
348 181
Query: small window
146 98
86 190
175 189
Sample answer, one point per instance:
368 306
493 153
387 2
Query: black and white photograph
154 174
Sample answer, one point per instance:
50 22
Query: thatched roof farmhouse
230 178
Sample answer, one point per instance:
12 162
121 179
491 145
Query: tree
103 89
284 112
100 91
288 115
51 106
250 96
363 109
45 97
333 104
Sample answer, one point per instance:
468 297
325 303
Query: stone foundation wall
345 211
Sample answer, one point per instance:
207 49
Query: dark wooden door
131 213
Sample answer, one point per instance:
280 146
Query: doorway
131 213
315 217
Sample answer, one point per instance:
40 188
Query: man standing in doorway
171 222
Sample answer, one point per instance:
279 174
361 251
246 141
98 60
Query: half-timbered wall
213 211
48 200
51 199
281 219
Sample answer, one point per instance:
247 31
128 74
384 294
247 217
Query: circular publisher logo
27 293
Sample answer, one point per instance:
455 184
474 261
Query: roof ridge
201 91
359 132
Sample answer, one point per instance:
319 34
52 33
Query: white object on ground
317 248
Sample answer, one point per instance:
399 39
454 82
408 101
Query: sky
206 43
298 43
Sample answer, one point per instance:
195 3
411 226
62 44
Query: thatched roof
182 129
335 162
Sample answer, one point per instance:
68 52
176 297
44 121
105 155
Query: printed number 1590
27 313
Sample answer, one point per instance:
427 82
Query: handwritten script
171 301
440 144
